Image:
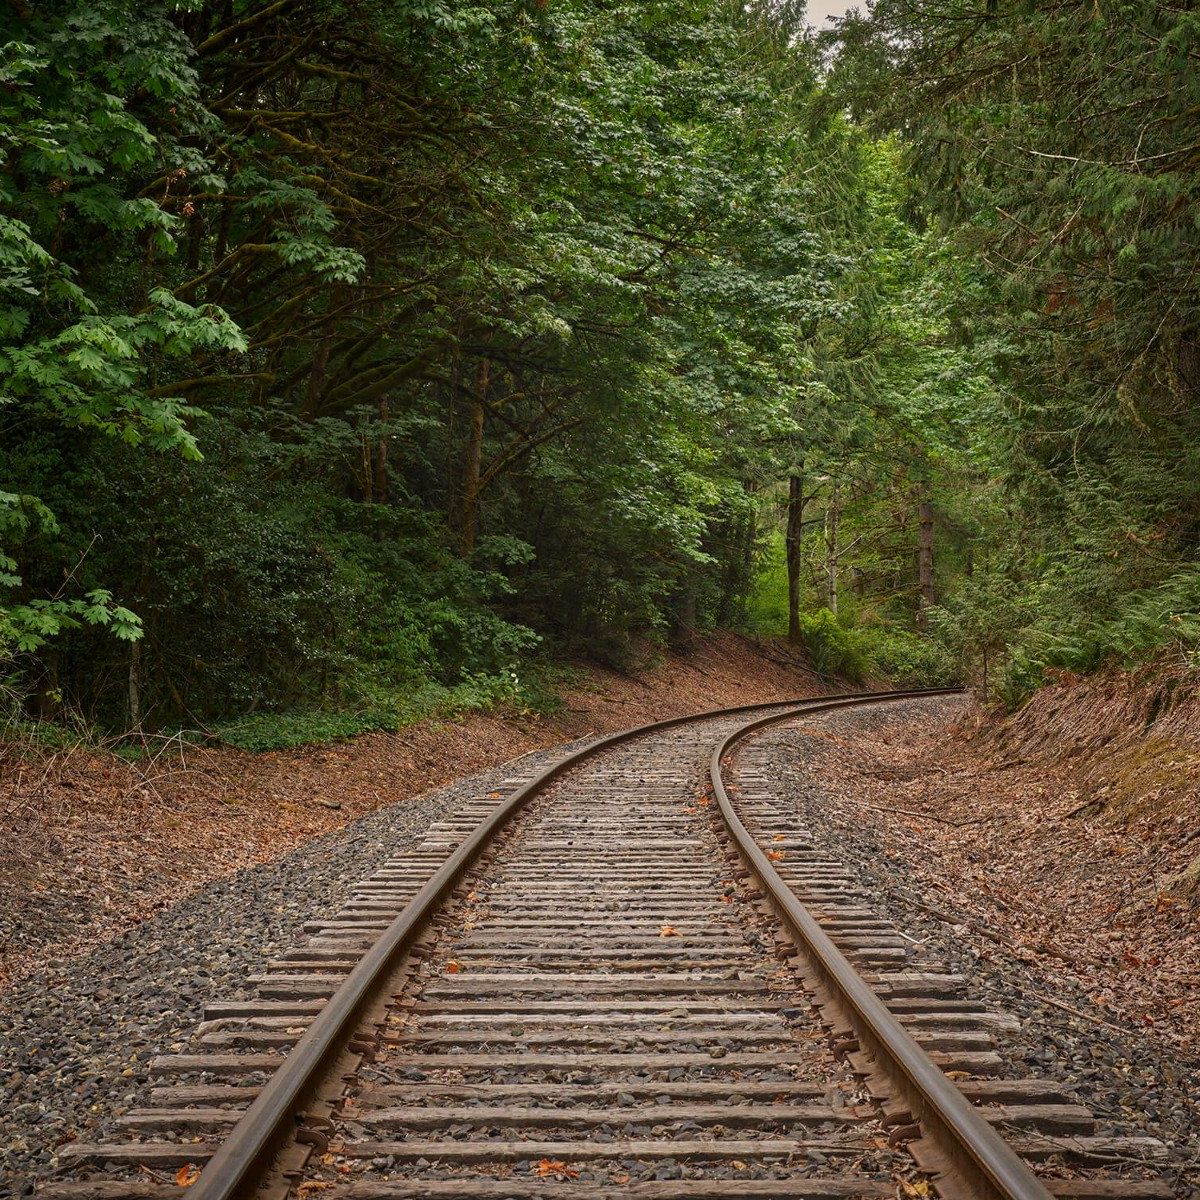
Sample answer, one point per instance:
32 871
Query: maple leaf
775 855
187 1175
453 967
779 837
669 931
560 1170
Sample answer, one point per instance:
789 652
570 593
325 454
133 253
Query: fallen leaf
187 1175
919 1188
775 855
312 1185
779 837
669 931
453 967
560 1170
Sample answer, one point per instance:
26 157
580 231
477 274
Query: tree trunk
468 508
833 516
135 687
795 529
925 593
381 454
367 471
687 607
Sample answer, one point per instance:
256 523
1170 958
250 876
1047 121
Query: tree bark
381 454
135 687
468 507
926 597
833 515
795 529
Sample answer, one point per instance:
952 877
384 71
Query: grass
535 693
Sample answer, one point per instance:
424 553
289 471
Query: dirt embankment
1067 833
93 844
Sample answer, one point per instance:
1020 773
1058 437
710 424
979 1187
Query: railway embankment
96 844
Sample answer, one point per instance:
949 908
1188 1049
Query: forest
369 358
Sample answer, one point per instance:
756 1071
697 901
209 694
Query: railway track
630 975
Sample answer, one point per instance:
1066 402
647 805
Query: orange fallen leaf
187 1175
775 855
703 800
669 931
312 1185
779 837
560 1170
453 967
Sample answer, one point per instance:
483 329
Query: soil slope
1066 834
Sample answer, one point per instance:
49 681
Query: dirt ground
1063 833
93 844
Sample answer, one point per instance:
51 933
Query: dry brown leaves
1029 864
94 844
551 1168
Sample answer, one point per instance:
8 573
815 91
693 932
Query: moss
1156 769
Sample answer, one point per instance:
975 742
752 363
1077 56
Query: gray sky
819 11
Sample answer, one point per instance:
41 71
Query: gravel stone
76 1039
1131 1084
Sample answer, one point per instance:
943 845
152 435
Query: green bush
906 659
833 649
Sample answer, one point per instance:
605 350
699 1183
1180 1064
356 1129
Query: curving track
603 982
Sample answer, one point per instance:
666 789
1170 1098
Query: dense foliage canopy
1057 146
356 353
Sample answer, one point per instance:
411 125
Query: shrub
833 649
907 659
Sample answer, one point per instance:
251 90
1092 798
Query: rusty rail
987 1164
246 1155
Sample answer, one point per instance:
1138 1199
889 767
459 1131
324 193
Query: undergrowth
533 694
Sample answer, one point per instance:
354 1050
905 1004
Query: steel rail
245 1156
985 1162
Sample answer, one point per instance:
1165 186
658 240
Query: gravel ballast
1132 1083
77 1038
